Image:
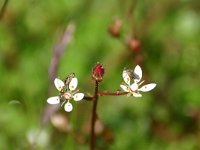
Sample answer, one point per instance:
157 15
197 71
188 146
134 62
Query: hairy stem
117 93
94 116
105 93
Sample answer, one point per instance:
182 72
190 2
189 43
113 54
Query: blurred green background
162 36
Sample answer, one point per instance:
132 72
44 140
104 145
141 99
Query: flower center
67 95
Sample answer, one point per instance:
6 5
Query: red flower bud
98 72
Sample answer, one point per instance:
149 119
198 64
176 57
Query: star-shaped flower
134 88
67 92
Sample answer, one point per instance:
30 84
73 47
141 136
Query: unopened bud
98 72
115 28
134 44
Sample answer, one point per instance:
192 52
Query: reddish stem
94 116
105 93
117 93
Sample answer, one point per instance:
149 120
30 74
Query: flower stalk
94 116
117 93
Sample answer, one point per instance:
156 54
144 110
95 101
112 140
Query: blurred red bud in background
115 28
134 44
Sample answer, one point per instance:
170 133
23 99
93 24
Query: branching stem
117 93
105 93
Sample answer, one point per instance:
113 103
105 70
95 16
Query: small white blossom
65 94
134 88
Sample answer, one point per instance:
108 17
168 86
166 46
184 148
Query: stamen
63 103
141 83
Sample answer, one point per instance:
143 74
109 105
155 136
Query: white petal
78 96
138 71
73 84
136 94
59 84
53 100
68 107
134 87
125 88
126 77
147 87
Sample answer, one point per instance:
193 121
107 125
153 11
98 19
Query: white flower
134 88
66 95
